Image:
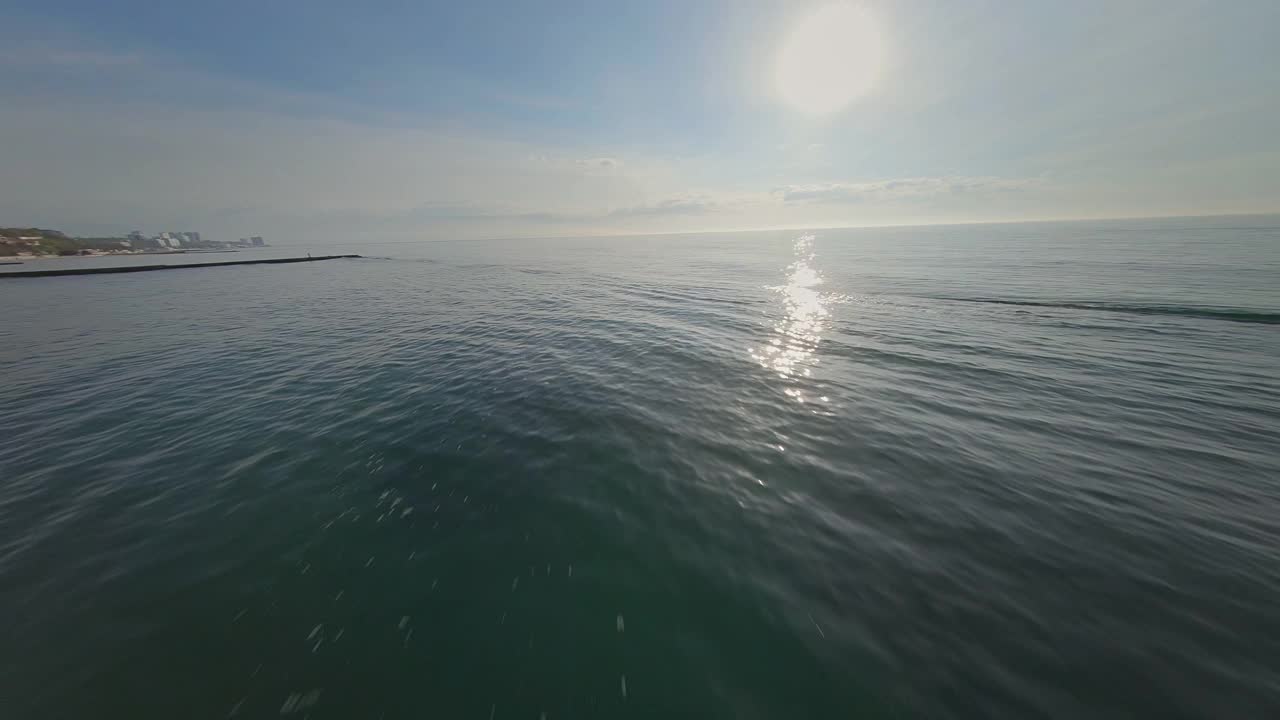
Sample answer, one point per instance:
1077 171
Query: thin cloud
692 205
902 189
34 56
673 206
602 163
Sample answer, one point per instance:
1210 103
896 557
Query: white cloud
601 163
690 205
903 189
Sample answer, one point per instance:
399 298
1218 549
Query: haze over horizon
536 119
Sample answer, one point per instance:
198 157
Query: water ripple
432 485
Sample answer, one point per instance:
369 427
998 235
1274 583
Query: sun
830 58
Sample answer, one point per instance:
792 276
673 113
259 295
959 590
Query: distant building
192 237
257 241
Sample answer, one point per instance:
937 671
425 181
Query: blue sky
430 120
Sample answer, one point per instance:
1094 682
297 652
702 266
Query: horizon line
801 228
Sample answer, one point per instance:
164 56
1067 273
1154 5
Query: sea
975 471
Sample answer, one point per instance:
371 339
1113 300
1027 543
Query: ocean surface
988 471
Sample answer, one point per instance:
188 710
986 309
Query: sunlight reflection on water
792 351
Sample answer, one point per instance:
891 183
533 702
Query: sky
438 120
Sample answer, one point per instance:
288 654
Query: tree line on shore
41 241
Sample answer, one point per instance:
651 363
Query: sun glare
828 59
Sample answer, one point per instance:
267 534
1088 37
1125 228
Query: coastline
25 258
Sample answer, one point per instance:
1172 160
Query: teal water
1003 471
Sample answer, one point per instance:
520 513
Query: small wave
419 260
1191 311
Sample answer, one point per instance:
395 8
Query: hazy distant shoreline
25 258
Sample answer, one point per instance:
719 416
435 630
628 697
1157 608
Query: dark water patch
1228 314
